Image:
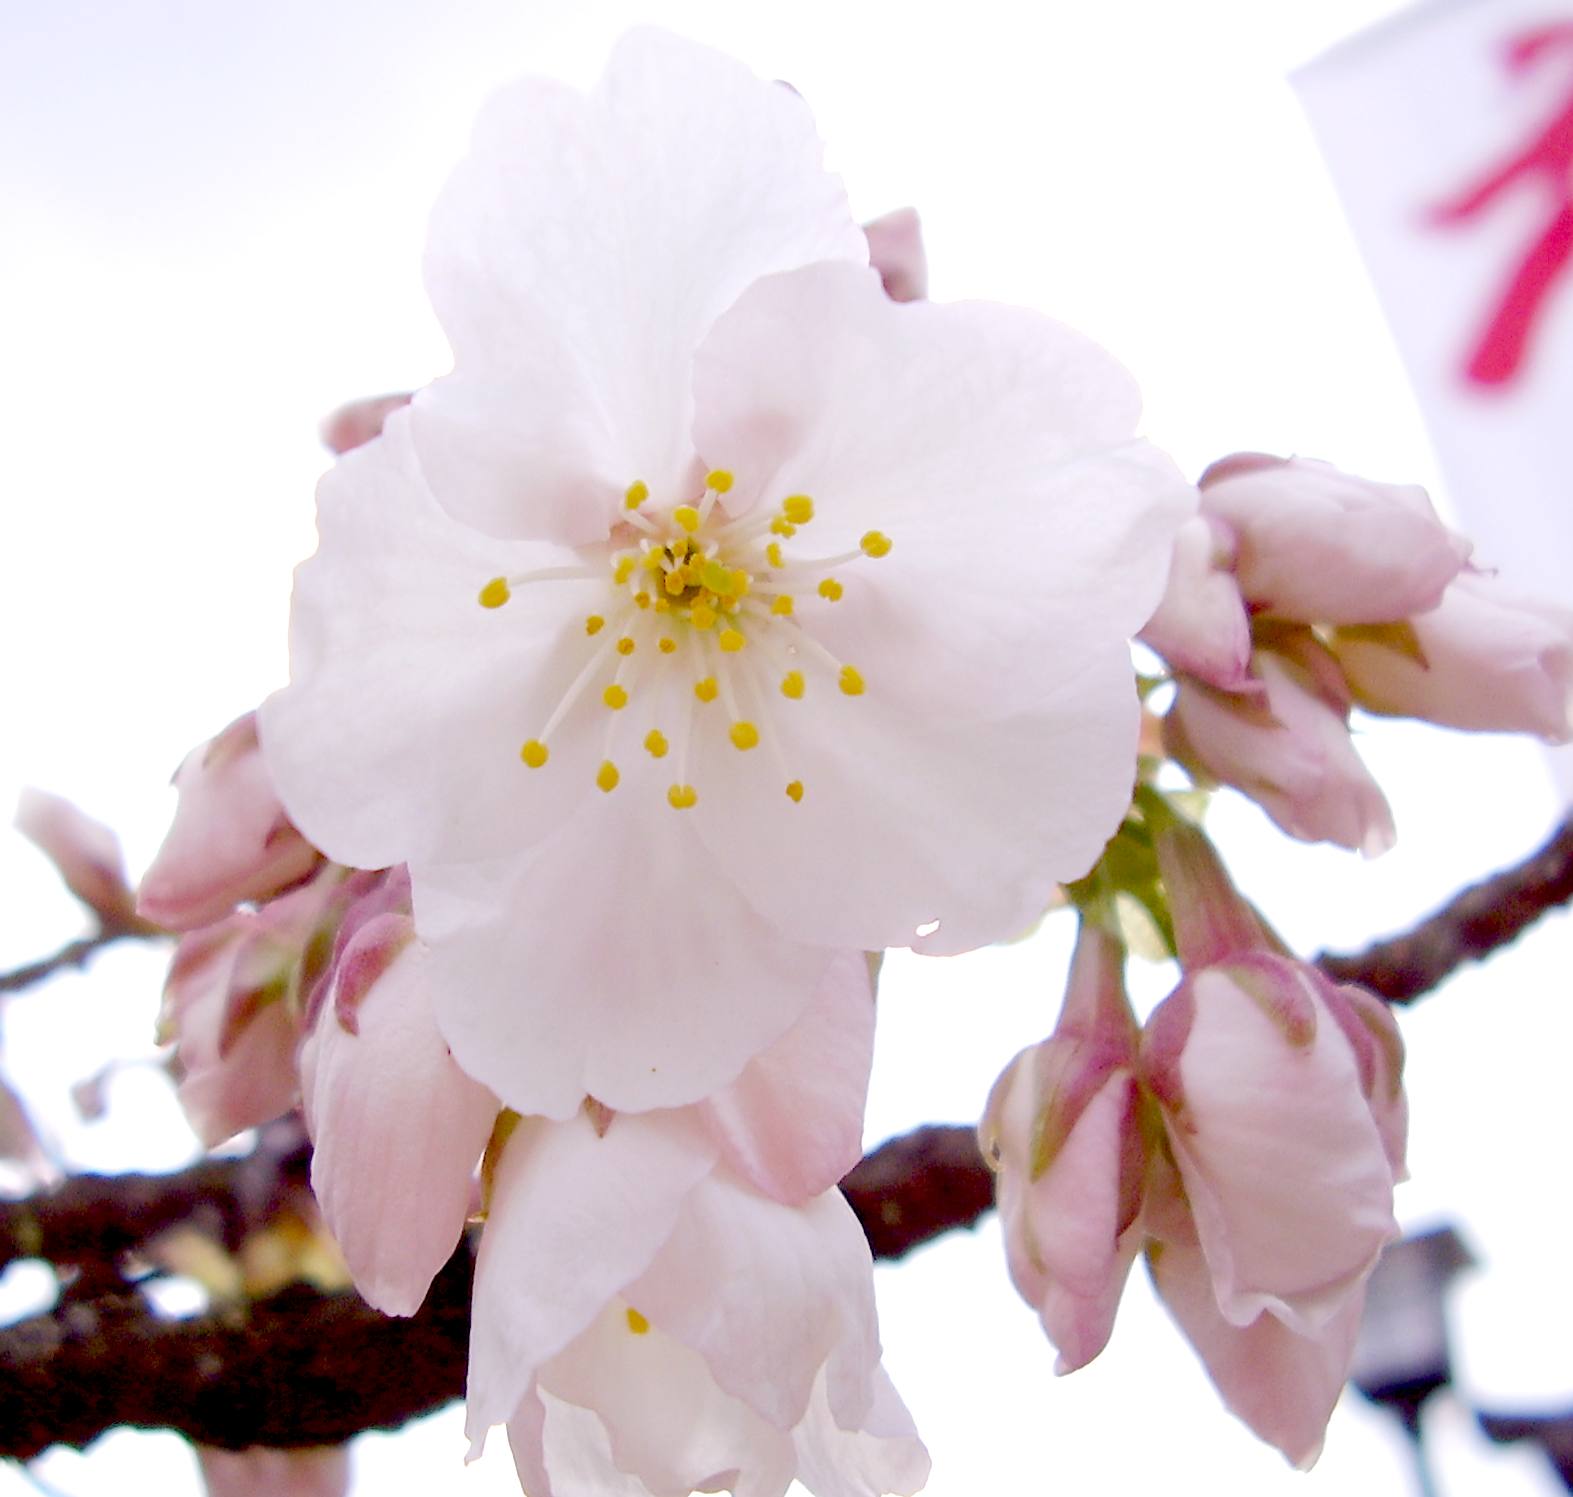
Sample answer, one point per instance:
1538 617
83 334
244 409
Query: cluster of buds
1299 592
1247 1139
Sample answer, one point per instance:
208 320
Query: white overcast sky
211 217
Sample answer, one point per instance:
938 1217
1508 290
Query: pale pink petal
884 1455
576 1215
245 1084
1486 659
230 841
1283 1165
792 1123
527 1444
582 323
318 1471
85 852
1323 546
1292 754
1201 626
411 682
1283 1385
723 1283
398 1129
610 959
895 250
356 423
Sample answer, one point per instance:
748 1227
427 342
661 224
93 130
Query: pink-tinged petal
1485 659
575 1217
1323 546
1284 1167
527 1444
260 1472
882 1456
792 1123
1201 626
608 959
230 841
768 1295
661 1416
895 250
400 678
85 852
251 1082
398 1127
1292 754
582 323
1283 1385
356 423
1372 1032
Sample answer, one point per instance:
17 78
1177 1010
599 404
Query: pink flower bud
86 853
1321 546
230 841
1201 626
895 250
1061 1129
359 421
1291 753
1484 659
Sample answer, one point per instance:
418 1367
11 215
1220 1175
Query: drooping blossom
1201 627
703 575
1248 1139
230 841
85 852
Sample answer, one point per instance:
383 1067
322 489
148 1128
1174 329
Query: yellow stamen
706 690
744 735
830 589
637 493
642 598
667 645
637 1323
655 743
663 605
792 685
534 753
782 526
731 641
717 578
782 606
625 646
701 616
719 480
594 624
653 560
741 582
495 593
607 776
875 543
674 583
795 790
616 698
623 570
851 681
798 508
686 516
773 554
681 797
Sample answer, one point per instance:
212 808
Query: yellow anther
701 616
674 583
795 790
594 624
623 570
731 641
773 554
851 681
706 690
495 593
741 582
798 508
719 480
744 735
534 753
717 578
875 543
655 743
652 560
616 698
830 589
782 606
782 526
667 644
607 776
637 493
792 685
663 605
637 1323
681 797
625 646
687 517
642 598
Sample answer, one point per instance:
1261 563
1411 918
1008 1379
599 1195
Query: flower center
714 598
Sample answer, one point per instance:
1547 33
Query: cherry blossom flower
85 852
696 580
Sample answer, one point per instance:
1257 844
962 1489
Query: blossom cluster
731 612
